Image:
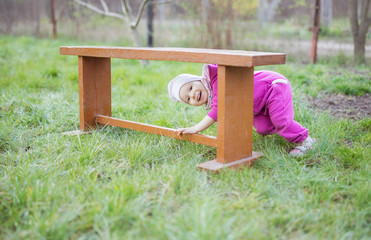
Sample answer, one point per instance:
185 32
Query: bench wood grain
197 55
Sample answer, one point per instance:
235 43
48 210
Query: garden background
121 184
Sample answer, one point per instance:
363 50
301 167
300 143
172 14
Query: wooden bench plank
94 89
196 138
235 113
197 55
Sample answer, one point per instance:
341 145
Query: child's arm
205 123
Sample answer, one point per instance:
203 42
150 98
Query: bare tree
126 15
359 27
8 14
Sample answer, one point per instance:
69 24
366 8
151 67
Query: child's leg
263 125
281 113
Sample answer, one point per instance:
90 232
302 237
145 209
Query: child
273 109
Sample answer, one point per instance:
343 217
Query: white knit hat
174 85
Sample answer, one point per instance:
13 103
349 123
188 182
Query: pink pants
278 116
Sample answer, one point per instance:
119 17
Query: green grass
122 184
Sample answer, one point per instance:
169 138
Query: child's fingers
179 131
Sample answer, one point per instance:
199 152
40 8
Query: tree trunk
272 9
326 12
126 16
267 11
150 24
36 11
8 11
137 38
359 28
52 19
315 29
359 50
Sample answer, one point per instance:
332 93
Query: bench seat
197 55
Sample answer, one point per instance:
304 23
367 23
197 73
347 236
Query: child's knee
263 125
264 130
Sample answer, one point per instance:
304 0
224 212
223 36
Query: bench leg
235 119
94 90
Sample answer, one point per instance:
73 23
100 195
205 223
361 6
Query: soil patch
342 106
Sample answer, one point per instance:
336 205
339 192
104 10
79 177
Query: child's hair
174 85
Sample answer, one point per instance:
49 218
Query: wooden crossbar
163 131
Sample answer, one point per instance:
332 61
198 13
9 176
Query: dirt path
342 106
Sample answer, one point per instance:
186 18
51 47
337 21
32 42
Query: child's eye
190 88
188 99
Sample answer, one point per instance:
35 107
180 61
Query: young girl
273 109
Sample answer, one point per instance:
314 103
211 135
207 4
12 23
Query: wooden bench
235 95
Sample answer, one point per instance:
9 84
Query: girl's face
194 93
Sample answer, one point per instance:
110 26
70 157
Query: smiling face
194 93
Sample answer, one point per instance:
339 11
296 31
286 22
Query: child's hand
190 130
205 123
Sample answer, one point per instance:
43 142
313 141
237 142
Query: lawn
121 184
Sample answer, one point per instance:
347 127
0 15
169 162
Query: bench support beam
235 114
94 90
